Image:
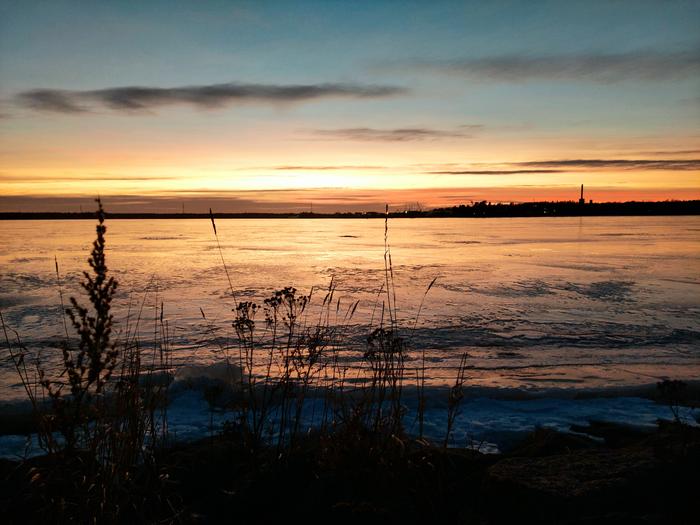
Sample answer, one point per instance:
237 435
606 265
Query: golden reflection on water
537 302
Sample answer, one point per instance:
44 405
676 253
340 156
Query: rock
574 484
547 442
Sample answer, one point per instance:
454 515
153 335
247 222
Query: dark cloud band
562 166
638 164
595 67
492 172
136 98
395 134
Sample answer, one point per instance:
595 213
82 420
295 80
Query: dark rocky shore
602 473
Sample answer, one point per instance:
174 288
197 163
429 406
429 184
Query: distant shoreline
476 210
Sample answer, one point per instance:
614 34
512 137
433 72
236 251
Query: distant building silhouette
581 200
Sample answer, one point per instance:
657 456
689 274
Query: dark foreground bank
602 473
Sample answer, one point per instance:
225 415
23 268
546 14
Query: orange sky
437 104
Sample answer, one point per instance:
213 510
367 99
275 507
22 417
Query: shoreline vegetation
102 420
482 209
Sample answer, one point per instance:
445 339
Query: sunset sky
271 106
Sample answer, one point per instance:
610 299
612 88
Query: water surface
538 303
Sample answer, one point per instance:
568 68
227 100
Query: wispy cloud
593 67
566 165
492 172
672 152
11 177
626 164
398 134
135 98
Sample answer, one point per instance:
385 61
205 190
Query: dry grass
103 422
102 417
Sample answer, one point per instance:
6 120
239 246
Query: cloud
397 134
10 177
492 172
673 152
134 98
692 101
58 101
561 166
594 67
639 164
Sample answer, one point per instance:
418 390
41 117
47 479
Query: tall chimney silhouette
581 200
